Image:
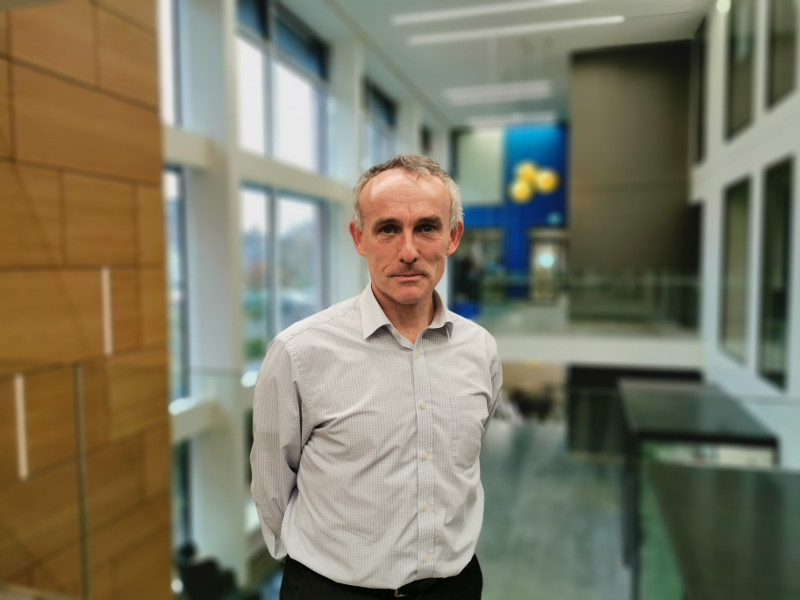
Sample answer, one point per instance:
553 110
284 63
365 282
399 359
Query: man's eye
387 229
428 228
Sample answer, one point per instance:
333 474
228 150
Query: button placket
425 516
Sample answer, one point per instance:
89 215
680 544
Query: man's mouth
407 276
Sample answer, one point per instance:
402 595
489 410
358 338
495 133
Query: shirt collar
373 317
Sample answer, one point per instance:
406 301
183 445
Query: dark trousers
301 583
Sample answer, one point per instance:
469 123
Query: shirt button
426 506
426 558
424 404
417 355
425 455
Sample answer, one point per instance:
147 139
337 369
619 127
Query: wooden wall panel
60 572
153 290
138 389
8 432
23 578
50 416
101 583
156 461
143 13
37 518
62 307
150 224
30 216
144 571
95 404
80 177
128 59
67 125
114 540
125 309
5 110
57 37
114 481
3 34
100 221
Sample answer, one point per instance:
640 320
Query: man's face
405 236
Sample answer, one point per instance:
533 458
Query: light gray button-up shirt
365 454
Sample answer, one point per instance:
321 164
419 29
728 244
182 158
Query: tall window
301 282
782 54
735 256
252 87
256 257
175 225
298 119
283 250
168 61
381 121
282 86
300 91
741 48
175 222
776 244
698 92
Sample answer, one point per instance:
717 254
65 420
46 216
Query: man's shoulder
332 317
468 326
468 331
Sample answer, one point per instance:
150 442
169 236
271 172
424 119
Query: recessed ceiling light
480 10
496 32
507 92
723 6
534 118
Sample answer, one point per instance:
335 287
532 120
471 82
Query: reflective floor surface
552 521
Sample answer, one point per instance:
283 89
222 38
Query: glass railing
85 494
92 498
646 303
671 494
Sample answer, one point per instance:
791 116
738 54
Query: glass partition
740 66
776 244
635 303
782 50
735 265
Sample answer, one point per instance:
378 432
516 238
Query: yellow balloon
547 181
527 171
520 191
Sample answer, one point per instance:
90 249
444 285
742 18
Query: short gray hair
419 165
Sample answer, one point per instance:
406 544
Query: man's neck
410 319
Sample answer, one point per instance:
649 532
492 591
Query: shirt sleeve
496 374
278 440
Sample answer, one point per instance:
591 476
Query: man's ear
358 237
455 237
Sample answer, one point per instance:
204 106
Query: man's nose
408 249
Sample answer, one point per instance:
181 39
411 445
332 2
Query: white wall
773 135
480 165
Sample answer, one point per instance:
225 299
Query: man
368 416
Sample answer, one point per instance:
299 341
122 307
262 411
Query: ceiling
424 72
